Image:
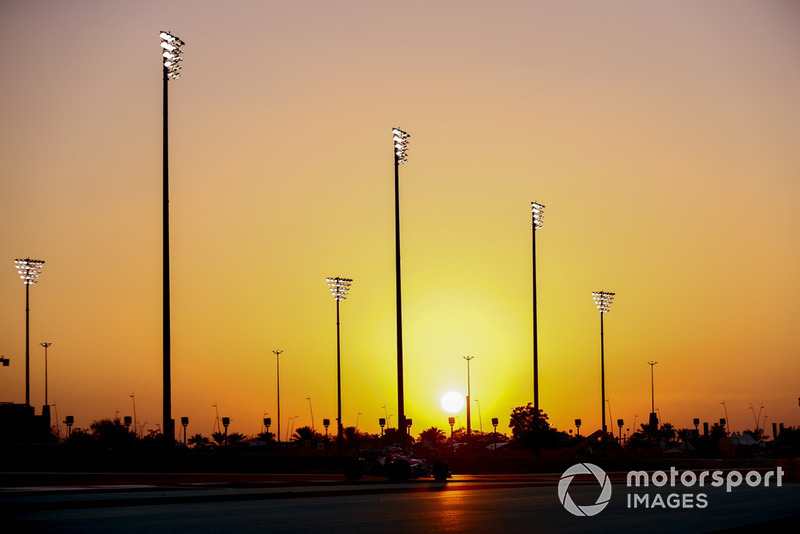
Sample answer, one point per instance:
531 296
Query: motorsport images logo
672 481
584 469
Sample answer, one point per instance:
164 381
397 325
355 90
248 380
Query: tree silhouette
667 432
199 441
111 433
267 437
530 428
352 436
235 439
433 437
219 438
304 433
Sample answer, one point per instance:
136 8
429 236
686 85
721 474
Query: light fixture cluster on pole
172 54
171 59
603 300
400 140
537 212
537 215
339 287
29 271
400 145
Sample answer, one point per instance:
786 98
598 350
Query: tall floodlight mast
339 287
537 217
400 140
603 300
29 271
171 62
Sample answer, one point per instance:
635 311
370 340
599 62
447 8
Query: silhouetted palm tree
199 441
667 432
235 438
352 435
434 437
305 432
267 437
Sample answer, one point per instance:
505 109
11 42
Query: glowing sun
452 402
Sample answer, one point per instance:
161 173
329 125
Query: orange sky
660 136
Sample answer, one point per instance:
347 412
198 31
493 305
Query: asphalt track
121 503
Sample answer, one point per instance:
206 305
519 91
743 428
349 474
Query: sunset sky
661 136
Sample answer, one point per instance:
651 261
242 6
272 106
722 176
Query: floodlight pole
603 372
170 66
339 288
400 146
27 346
537 213
603 301
339 428
167 372
29 271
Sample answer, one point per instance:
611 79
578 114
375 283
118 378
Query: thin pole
401 414
602 373
727 421
535 324
27 346
311 409
339 429
652 388
135 421
45 345
167 408
278 367
469 420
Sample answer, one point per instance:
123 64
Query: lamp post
537 218
469 422
171 59
756 419
602 300
311 409
184 423
45 345
495 422
400 140
277 354
653 416
29 271
135 421
725 422
452 421
339 288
